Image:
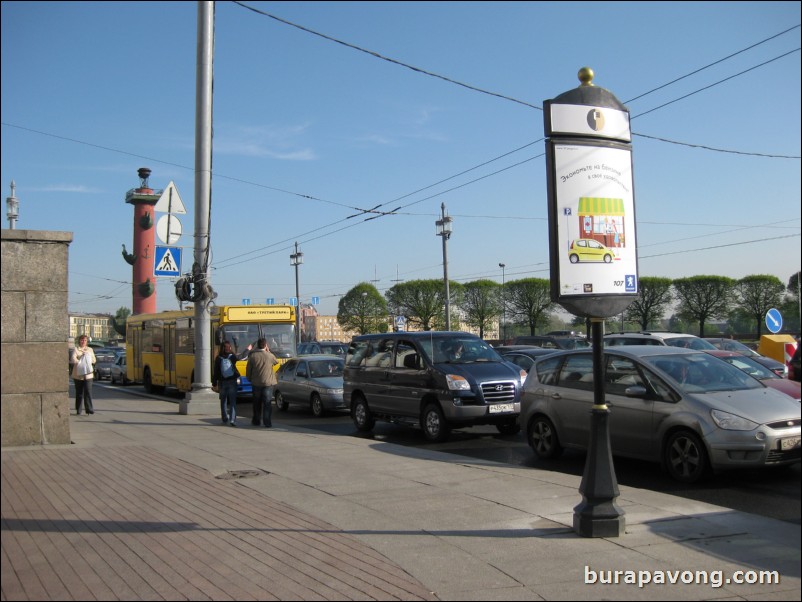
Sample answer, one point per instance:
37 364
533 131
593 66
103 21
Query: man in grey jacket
259 371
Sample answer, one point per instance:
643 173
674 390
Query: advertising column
593 257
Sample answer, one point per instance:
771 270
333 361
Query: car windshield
459 350
702 373
326 368
689 343
750 366
334 349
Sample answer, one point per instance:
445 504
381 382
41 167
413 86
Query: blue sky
308 131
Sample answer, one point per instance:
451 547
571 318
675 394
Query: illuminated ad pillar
593 258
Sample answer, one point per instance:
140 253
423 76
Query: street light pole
297 259
444 230
12 208
503 306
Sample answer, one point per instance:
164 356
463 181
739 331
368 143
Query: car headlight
731 422
457 383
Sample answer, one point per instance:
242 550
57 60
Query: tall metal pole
297 259
201 387
503 306
444 230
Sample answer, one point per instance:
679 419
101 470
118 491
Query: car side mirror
635 391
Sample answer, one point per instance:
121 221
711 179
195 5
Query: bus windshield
243 337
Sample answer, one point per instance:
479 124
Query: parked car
323 347
315 381
587 249
552 342
119 372
105 360
794 370
686 409
438 380
672 339
522 355
778 368
755 369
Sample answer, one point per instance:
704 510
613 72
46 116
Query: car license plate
790 443
501 408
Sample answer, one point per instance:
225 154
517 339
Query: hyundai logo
499 387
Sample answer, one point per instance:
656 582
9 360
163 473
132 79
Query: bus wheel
147 381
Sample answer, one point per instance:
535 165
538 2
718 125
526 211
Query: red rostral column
144 282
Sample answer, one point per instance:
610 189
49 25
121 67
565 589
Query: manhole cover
241 474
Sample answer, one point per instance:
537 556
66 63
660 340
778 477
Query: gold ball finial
585 76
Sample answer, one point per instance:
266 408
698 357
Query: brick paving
129 523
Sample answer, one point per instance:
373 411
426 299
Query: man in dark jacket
263 378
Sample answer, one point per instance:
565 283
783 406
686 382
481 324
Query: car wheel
281 403
543 439
509 428
317 406
434 425
685 457
608 258
113 380
360 414
574 258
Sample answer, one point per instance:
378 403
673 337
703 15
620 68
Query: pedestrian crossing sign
167 261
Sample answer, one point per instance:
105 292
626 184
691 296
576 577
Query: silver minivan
438 380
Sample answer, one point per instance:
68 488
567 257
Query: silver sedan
686 409
315 381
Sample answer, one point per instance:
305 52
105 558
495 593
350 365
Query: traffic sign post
774 320
167 261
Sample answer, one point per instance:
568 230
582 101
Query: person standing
224 381
263 378
83 361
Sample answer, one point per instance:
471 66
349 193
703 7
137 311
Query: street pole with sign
593 256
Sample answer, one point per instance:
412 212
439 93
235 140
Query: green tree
363 310
702 298
120 320
422 302
758 294
529 302
481 304
654 297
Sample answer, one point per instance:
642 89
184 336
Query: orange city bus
160 350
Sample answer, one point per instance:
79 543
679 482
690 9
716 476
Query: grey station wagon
439 380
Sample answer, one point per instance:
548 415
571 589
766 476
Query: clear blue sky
91 91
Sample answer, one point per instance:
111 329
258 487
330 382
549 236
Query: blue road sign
167 261
293 301
774 320
246 301
271 301
315 300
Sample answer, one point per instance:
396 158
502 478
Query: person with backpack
224 381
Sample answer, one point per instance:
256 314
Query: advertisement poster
596 220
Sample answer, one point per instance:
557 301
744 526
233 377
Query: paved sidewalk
149 504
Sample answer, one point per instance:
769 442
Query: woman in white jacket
83 368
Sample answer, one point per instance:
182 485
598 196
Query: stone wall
34 385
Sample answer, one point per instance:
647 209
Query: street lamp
12 208
503 306
444 230
297 259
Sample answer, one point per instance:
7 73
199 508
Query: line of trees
526 304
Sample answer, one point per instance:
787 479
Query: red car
760 372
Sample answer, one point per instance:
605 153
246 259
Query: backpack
226 367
